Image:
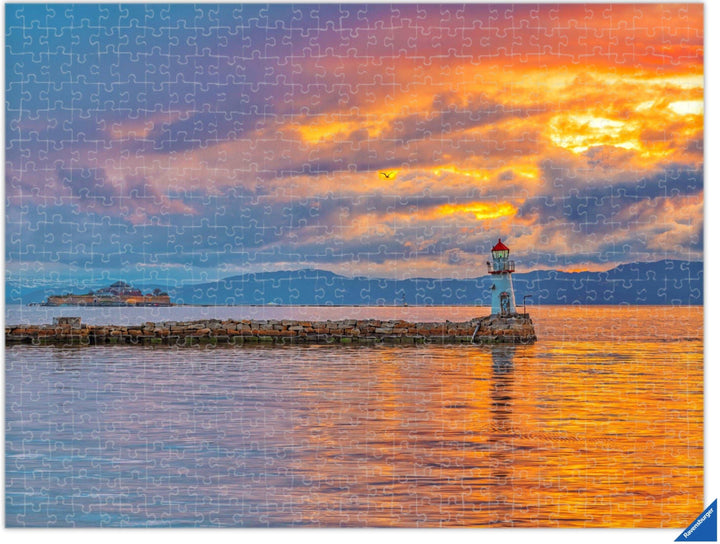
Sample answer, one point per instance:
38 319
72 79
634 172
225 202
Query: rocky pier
68 331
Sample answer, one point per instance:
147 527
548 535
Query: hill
662 282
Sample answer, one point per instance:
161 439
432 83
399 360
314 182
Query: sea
598 424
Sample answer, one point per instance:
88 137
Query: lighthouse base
511 329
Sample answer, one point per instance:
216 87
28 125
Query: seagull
388 175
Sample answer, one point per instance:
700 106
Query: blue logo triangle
703 529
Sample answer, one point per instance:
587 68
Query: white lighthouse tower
501 269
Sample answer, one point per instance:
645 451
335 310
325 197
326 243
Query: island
117 294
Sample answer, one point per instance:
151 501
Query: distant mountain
663 282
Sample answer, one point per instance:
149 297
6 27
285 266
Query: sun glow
527 171
579 132
688 107
481 210
481 175
333 131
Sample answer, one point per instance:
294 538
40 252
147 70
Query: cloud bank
194 142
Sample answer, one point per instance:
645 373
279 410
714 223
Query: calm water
599 424
17 314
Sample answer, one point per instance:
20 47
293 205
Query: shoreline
69 331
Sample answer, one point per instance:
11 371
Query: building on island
117 294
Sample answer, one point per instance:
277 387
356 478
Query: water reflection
503 359
501 435
563 433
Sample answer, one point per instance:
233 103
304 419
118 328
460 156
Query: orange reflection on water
598 424
578 433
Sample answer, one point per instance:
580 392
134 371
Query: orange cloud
480 210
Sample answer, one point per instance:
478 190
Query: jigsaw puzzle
430 265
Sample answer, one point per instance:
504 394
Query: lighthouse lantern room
501 269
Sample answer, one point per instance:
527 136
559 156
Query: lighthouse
501 269
504 324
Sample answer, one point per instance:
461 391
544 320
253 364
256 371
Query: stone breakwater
69 331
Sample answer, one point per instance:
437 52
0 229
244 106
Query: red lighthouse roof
500 246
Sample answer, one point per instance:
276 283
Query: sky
157 143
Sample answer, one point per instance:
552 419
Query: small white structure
501 268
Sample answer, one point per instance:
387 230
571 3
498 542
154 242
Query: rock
488 329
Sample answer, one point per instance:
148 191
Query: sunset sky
162 143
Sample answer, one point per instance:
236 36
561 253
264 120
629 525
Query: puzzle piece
347 169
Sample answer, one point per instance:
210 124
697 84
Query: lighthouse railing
501 266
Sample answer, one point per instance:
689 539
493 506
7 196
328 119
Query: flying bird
388 175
